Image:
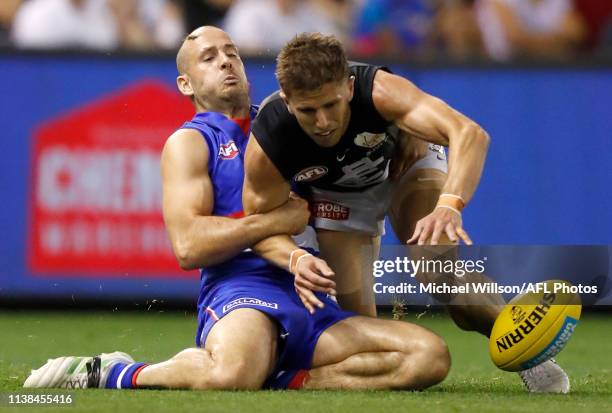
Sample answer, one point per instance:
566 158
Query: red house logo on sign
228 150
96 204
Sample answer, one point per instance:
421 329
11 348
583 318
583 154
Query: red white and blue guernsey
247 280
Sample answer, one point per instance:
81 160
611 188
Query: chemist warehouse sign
96 199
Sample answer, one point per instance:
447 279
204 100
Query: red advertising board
96 193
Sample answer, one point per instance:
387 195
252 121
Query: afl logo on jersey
310 174
369 140
228 150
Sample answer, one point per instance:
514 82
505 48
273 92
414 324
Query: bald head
189 45
211 72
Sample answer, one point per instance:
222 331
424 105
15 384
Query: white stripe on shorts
125 369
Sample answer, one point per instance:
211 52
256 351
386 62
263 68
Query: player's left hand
441 220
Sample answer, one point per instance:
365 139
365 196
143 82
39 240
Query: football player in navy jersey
335 127
339 130
253 330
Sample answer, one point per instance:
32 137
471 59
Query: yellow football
534 326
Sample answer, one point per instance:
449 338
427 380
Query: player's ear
184 85
351 86
284 98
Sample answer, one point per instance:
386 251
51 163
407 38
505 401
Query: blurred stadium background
88 99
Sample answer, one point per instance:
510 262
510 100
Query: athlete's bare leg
240 353
350 255
416 197
380 354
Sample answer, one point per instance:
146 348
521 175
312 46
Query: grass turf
474 384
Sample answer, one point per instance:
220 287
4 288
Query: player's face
215 71
323 114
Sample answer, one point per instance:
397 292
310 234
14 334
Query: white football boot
547 377
76 372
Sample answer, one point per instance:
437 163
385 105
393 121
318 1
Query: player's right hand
293 215
440 221
313 274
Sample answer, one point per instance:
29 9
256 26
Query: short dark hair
309 61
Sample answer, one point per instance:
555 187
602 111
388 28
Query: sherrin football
534 326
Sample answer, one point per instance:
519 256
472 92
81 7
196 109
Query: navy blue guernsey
226 146
358 161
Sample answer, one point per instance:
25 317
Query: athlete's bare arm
199 239
265 189
429 118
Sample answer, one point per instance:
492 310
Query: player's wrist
450 208
451 201
296 256
270 223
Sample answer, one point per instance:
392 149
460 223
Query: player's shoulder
365 70
356 66
185 140
206 125
273 115
185 149
364 75
274 99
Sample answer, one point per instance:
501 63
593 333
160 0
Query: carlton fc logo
228 150
369 140
310 174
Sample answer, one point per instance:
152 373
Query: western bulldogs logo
228 150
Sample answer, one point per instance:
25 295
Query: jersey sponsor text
248 301
330 210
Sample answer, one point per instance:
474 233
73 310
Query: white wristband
291 256
297 263
454 196
451 208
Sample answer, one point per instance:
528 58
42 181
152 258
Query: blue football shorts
273 294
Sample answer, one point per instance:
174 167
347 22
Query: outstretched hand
440 221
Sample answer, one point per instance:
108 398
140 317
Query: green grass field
474 384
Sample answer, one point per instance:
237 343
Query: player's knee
195 363
430 363
440 360
224 377
224 373
437 358
240 375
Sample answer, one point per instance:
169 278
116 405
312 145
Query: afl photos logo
310 174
